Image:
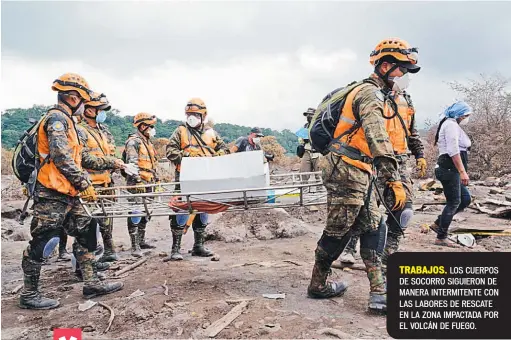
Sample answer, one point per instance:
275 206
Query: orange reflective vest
147 160
399 130
97 144
49 175
190 144
355 139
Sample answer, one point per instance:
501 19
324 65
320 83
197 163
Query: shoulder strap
201 142
97 141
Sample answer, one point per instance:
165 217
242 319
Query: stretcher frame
286 190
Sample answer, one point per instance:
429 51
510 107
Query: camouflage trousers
106 224
53 212
394 235
134 228
309 163
353 210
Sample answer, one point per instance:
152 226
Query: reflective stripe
347 120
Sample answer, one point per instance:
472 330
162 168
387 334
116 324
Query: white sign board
238 171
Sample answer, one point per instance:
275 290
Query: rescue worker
191 140
248 143
404 136
309 156
60 181
99 142
140 151
360 144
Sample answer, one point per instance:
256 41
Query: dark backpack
326 117
25 160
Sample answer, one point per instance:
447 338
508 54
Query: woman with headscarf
451 169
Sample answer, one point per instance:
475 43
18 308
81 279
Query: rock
238 324
215 258
82 307
313 208
274 296
491 181
20 235
88 328
495 191
162 254
206 325
508 198
136 293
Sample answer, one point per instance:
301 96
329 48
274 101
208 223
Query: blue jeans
457 196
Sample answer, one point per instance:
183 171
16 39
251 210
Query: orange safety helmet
72 82
98 101
398 49
144 118
196 105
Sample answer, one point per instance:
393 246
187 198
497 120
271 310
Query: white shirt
452 139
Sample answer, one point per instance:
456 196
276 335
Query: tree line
16 121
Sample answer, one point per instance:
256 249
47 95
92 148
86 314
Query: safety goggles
412 54
190 105
152 118
73 84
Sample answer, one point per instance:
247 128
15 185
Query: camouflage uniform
105 224
351 201
137 231
175 154
404 215
53 211
310 159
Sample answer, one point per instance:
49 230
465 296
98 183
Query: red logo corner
67 334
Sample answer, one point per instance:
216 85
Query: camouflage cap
310 111
257 131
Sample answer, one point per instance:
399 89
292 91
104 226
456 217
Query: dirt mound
261 225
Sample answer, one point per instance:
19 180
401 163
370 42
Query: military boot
175 255
319 288
92 286
63 254
378 286
198 246
109 254
30 297
141 240
135 246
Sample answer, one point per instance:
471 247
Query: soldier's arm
220 144
173 150
132 148
110 139
370 108
60 152
414 140
237 145
90 161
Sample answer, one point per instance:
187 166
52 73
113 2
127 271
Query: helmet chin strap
385 77
63 100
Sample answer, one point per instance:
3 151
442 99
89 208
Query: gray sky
254 63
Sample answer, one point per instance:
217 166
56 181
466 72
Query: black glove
300 150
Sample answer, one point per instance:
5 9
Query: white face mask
256 140
400 83
152 132
80 110
193 121
464 121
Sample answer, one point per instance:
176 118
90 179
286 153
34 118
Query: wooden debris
497 202
217 326
17 289
166 292
130 267
355 266
335 332
296 263
239 300
112 315
496 191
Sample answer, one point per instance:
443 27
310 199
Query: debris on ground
274 296
82 307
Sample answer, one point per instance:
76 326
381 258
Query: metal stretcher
285 191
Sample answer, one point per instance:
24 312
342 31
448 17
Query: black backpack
25 160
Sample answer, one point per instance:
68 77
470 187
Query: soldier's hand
399 194
119 164
422 166
191 154
89 194
25 190
220 153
